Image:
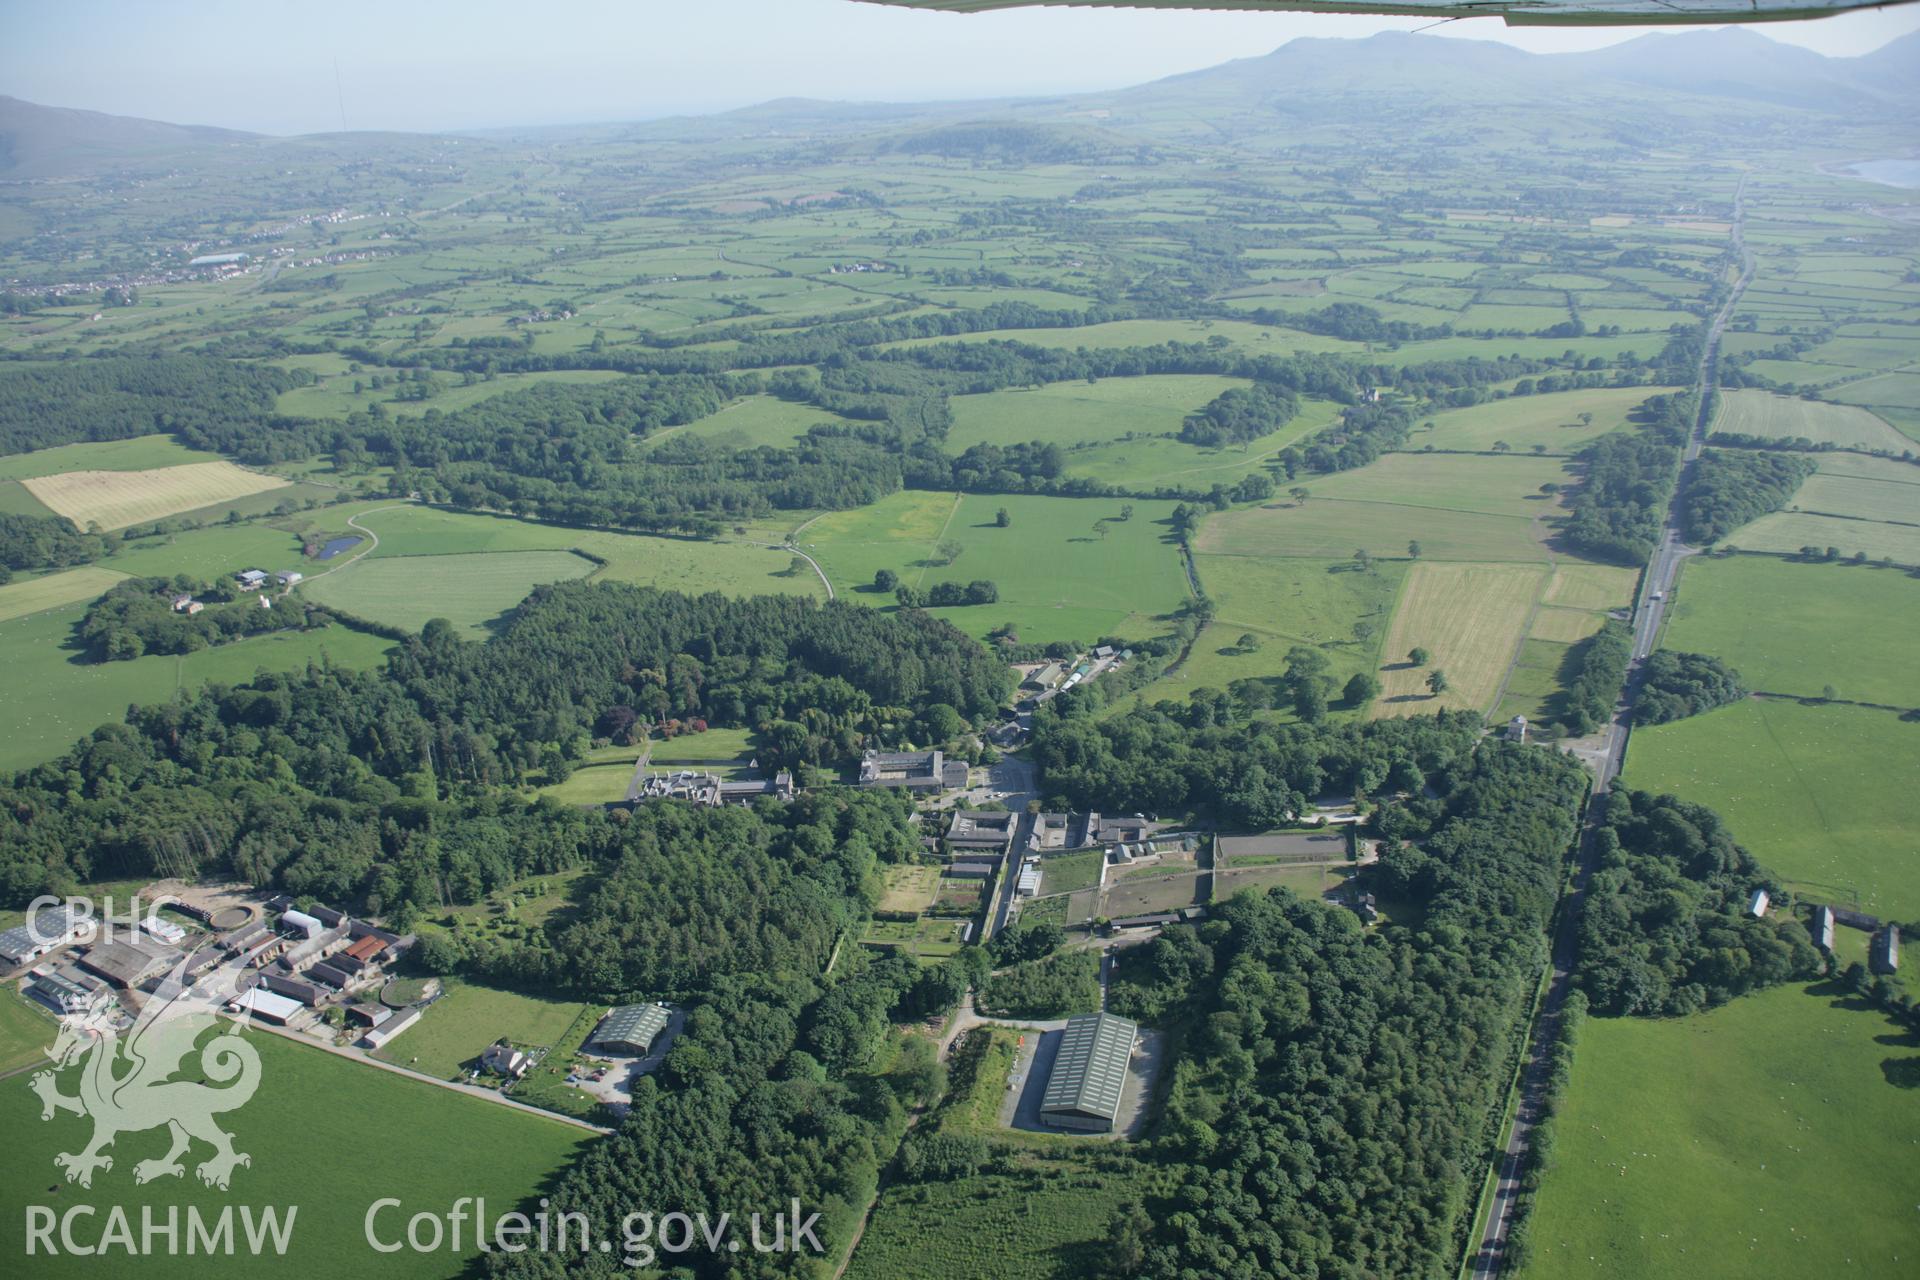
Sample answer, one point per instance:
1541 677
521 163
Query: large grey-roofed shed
1089 1073
631 1029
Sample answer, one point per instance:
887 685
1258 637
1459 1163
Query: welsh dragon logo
127 1084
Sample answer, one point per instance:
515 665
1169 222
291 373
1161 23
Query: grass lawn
1768 1136
1823 795
712 746
599 783
1471 618
1591 586
1067 413
459 1026
1066 872
210 552
909 887
49 699
1058 579
501 1154
70 586
1850 627
1761 413
468 590
1523 421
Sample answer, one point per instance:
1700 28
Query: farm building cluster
701 787
286 961
1883 946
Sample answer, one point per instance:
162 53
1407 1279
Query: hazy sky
270 65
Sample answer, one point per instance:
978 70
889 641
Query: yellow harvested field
116 499
1471 619
1591 586
18 599
1567 626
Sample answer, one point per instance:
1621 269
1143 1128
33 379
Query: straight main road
1656 586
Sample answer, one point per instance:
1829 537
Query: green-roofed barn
631 1029
1089 1073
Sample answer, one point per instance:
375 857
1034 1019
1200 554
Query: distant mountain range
1307 78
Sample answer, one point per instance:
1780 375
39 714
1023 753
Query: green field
50 698
304 1094
1861 497
1788 531
1761 413
1771 1136
471 591
1822 795
1149 463
750 422
140 453
1329 529
673 564
457 1028
1068 413
26 1028
1067 872
70 586
1851 628
1282 603
1058 578
1472 618
1524 421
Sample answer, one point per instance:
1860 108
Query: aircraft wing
1517 13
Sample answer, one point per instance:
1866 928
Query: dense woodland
1333 1081
338 782
45 542
1665 929
1728 488
1617 512
1676 684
